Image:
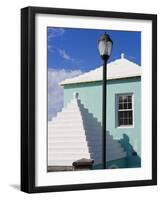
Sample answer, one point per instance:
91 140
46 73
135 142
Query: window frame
117 110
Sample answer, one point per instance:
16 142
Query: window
125 110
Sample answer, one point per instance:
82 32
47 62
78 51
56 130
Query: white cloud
65 55
55 92
52 33
55 32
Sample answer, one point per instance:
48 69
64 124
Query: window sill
128 126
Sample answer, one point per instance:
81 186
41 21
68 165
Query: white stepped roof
120 68
75 134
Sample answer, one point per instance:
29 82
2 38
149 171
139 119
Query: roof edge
91 81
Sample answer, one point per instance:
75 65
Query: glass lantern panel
102 48
109 48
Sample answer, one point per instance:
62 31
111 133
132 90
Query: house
123 103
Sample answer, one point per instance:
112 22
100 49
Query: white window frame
117 109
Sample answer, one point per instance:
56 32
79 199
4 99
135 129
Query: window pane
125 105
129 99
120 114
130 114
130 121
120 122
120 106
125 121
125 114
120 99
125 118
120 118
129 106
124 99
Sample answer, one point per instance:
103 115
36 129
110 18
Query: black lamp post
104 46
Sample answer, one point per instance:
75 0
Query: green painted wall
91 96
128 162
119 163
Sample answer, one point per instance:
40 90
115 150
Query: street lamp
104 46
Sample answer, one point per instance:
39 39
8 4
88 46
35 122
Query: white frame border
96 176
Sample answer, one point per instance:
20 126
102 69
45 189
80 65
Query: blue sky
72 52
72 49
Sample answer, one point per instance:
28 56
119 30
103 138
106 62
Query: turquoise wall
119 163
127 162
91 96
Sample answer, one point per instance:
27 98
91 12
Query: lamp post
104 46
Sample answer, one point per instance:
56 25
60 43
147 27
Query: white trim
128 126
